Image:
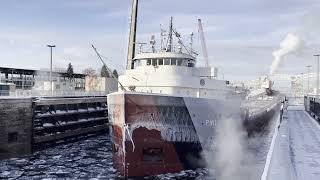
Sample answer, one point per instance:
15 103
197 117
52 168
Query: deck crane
203 43
109 70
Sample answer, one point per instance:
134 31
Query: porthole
202 82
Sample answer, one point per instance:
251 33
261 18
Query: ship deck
261 103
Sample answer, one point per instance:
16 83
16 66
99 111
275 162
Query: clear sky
241 34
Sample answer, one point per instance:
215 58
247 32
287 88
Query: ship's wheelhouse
164 61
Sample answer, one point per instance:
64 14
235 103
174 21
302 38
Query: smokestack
132 35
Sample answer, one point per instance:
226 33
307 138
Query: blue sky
241 34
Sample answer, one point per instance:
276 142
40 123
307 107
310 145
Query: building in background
101 84
7 89
27 82
290 84
27 79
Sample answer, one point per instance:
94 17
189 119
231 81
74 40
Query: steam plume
228 157
289 45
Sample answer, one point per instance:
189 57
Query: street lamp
51 46
317 90
308 67
302 83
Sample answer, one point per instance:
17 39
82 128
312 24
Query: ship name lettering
211 122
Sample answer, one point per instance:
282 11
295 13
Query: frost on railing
35 93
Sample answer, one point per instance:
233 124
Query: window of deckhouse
148 62
166 61
173 61
154 62
160 62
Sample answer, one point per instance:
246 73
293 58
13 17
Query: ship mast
169 47
132 35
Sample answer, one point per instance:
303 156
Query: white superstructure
173 73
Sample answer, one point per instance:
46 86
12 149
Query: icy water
92 159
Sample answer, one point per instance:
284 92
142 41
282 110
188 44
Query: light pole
308 67
302 83
317 87
51 46
222 75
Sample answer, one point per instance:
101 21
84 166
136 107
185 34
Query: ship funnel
132 35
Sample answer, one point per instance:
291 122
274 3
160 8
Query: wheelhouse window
190 63
160 62
154 62
166 61
173 61
148 62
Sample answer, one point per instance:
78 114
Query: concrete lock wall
15 127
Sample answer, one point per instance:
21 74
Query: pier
29 124
297 146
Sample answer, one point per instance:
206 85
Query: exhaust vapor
228 157
231 152
289 45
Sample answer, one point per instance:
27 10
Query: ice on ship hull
156 134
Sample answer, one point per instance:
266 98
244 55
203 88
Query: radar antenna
163 35
169 47
152 43
191 41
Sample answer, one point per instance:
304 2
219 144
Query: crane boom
203 43
109 70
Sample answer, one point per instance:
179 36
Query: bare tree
89 72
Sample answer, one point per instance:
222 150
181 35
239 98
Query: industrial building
28 82
26 79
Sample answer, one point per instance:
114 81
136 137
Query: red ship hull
157 134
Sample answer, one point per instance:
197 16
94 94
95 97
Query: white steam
229 157
290 44
232 159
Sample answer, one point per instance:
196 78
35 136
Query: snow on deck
296 153
259 104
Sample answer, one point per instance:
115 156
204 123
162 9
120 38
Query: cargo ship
166 110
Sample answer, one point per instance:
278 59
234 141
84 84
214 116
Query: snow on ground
296 154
